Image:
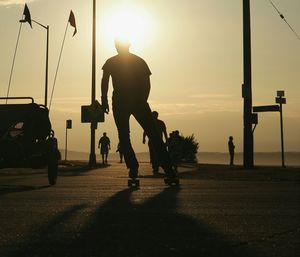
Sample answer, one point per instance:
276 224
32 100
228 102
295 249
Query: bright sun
128 23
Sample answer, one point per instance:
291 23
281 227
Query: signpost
266 108
281 100
275 108
68 126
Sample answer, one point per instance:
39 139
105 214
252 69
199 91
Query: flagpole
56 72
14 58
47 56
92 158
47 61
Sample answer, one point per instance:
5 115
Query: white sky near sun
194 50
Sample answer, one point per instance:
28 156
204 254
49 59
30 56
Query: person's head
104 134
122 46
155 114
231 138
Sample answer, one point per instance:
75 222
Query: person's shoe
171 178
155 171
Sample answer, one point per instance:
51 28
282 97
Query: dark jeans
153 157
122 111
231 158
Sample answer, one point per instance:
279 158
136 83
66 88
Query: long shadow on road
124 226
7 189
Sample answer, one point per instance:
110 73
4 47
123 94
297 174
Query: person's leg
143 115
150 152
121 116
231 159
102 158
154 158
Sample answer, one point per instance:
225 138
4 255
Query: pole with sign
68 126
275 108
280 99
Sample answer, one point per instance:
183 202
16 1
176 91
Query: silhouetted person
104 145
162 130
119 149
131 83
175 147
231 147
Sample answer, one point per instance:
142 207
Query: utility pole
247 87
92 159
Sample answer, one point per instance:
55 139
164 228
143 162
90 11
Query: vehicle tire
52 161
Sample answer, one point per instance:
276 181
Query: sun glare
127 23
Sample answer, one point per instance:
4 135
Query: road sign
280 100
266 108
254 118
280 93
68 124
92 113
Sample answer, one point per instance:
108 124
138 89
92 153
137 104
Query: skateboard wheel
133 183
172 182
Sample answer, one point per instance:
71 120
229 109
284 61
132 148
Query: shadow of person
125 226
7 189
128 225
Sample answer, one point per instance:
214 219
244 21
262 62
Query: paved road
216 212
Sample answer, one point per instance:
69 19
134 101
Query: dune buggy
26 137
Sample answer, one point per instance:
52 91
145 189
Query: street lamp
92 157
47 53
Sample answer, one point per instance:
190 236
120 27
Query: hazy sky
194 50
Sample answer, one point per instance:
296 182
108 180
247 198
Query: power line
282 17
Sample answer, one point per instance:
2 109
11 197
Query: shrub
189 149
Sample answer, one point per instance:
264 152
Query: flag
27 15
73 22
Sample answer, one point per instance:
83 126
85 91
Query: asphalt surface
217 211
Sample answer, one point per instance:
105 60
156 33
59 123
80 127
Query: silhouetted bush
189 149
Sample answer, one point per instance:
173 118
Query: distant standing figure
231 147
162 130
119 149
104 145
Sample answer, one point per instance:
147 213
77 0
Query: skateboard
133 183
172 181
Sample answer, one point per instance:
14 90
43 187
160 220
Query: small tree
189 149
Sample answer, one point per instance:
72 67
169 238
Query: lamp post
92 158
47 58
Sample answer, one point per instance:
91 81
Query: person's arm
144 137
147 85
104 90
